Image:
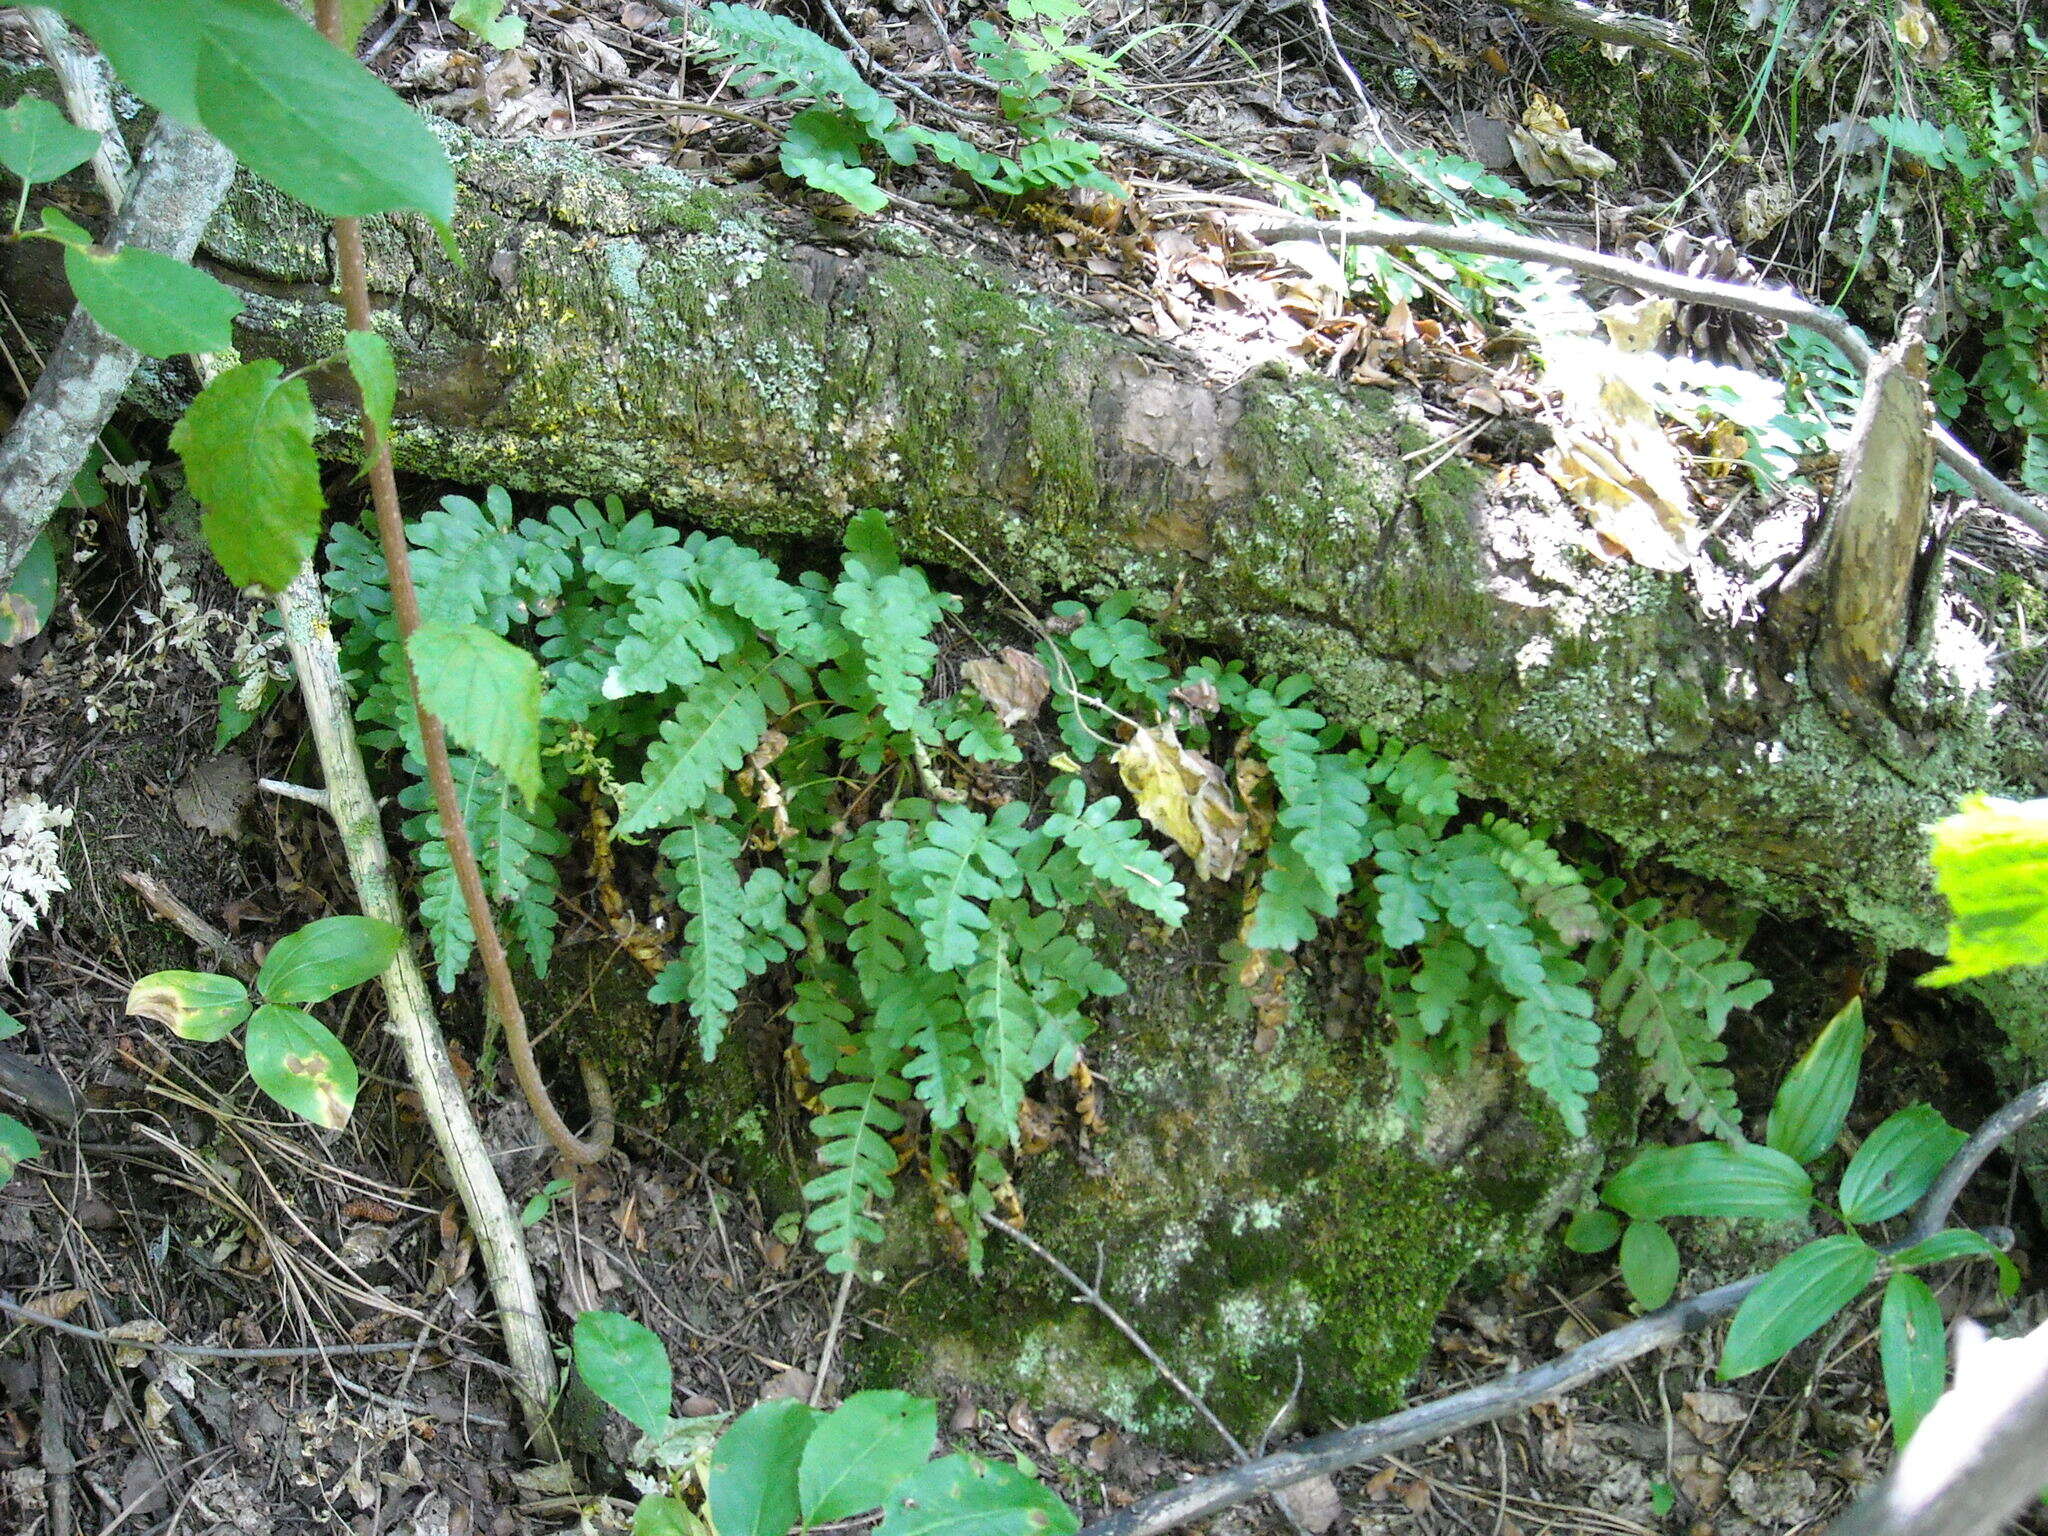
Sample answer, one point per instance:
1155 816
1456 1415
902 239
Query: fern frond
1553 1031
1119 646
821 1022
1417 779
704 873
1115 851
963 862
1001 1011
890 609
943 1067
748 582
465 561
797 62
852 1133
708 736
671 638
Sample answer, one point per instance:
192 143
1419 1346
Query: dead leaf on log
1182 793
1014 684
1550 151
1612 458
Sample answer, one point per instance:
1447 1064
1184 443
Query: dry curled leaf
1014 684
1181 793
1550 151
1613 459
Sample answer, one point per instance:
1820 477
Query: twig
1095 1299
1625 29
317 665
502 993
20 1313
58 1465
167 906
831 1336
1769 303
290 791
87 97
1497 1399
184 176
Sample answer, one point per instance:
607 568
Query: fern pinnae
702 864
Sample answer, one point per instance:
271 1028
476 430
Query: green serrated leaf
159 306
1649 1264
1991 862
626 1364
965 1496
327 956
39 143
247 447
861 1450
1897 1164
1593 1231
1813 1102
193 1005
752 1489
487 692
376 376
1795 1300
17 1145
300 1063
1912 1343
31 597
1711 1178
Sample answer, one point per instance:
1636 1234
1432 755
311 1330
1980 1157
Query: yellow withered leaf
1183 794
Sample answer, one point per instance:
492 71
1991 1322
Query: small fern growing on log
819 804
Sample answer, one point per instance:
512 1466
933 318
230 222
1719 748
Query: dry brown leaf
1640 326
1067 1433
55 1305
1612 457
1014 684
1314 1505
788 1383
1550 151
1181 793
1920 34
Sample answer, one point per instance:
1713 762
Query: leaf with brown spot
1014 684
1181 793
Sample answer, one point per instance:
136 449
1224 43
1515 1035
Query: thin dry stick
1769 303
317 666
405 605
1497 1399
26 1314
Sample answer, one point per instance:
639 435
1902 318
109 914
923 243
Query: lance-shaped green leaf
10 1026
1897 1164
1991 862
193 1005
626 1364
487 692
1649 1264
1813 1101
326 957
296 110
298 1061
1795 1300
39 143
376 375
1959 1243
864 1447
752 1489
966 1496
247 447
1912 1343
17 1145
1593 1231
31 597
1711 1178
158 305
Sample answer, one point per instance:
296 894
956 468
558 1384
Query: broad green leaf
298 1061
1959 1243
966 1496
487 692
659 1515
1710 1178
159 306
626 1364
542 1201
1912 1343
1649 1264
1593 1231
1814 1099
369 359
31 597
296 110
10 1026
325 957
1897 1164
232 720
17 1145
39 143
247 447
752 1488
1795 1299
486 19
355 15
864 1447
193 1005
1991 862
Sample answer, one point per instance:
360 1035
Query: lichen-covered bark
628 332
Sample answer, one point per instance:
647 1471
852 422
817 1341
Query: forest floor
173 1209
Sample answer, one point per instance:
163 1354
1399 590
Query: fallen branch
1483 1404
1624 29
88 98
1767 303
184 176
499 1242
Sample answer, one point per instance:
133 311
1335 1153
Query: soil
177 1207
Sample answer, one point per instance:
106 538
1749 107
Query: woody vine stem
501 993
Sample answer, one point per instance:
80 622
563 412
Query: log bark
712 355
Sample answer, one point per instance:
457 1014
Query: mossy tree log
620 331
